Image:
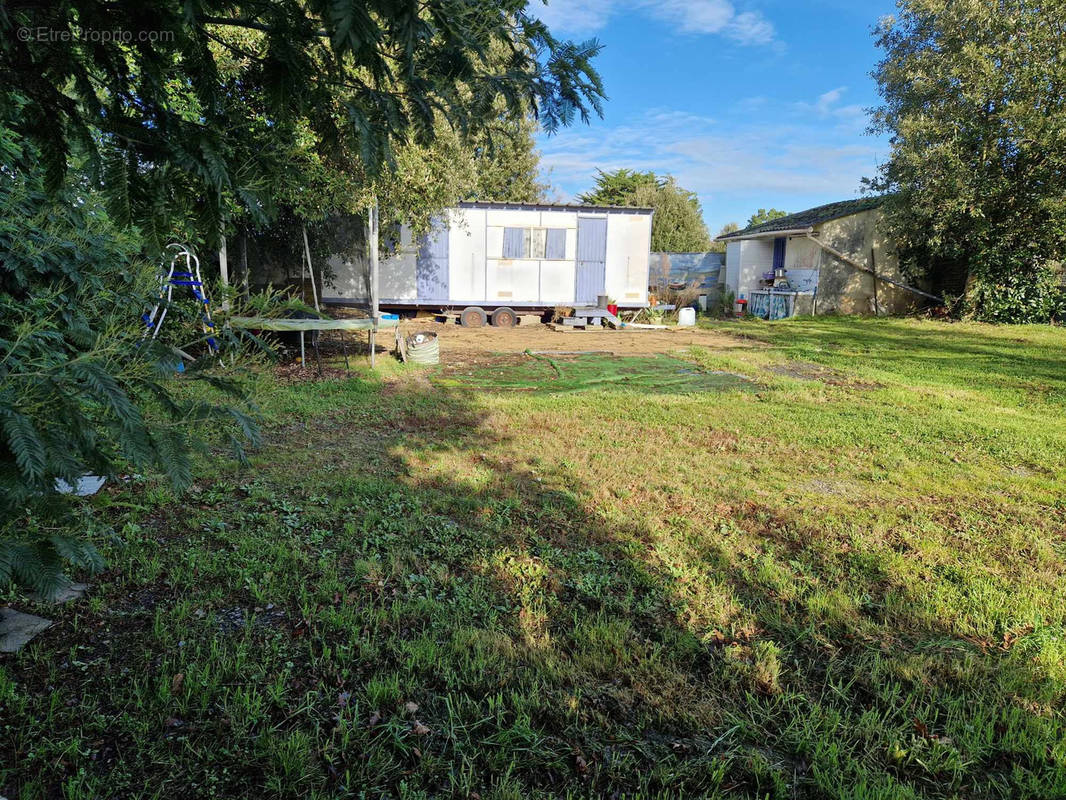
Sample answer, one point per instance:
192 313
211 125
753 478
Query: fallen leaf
411 707
176 682
418 729
375 718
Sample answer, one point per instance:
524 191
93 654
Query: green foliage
975 102
724 303
227 104
720 247
80 392
616 188
38 565
764 215
677 226
507 163
1018 298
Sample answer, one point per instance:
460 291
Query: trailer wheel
473 317
504 318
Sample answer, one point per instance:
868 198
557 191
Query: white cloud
733 162
829 99
848 117
697 17
693 16
581 17
751 28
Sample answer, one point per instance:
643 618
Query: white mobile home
511 256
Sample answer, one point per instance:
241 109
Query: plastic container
686 317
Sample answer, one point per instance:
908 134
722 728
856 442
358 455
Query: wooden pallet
555 326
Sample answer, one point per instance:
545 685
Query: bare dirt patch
459 343
806 371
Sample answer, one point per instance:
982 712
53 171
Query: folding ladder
190 277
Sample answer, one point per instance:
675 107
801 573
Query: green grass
846 583
565 372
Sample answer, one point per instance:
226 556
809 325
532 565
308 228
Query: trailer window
514 243
555 244
534 243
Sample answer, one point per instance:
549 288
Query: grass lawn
843 579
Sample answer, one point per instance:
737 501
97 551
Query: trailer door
431 266
591 258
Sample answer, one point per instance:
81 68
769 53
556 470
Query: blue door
591 259
431 264
779 252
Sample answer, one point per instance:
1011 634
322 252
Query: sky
749 103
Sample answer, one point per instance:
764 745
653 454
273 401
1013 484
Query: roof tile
809 218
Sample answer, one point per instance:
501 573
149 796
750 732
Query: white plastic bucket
686 317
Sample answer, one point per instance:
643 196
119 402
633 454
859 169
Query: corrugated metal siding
591 258
431 267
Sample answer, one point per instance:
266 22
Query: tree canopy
80 390
616 188
765 215
507 164
729 227
974 99
217 105
677 226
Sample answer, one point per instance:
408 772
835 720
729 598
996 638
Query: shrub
81 392
1018 298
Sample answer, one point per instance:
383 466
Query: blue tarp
772 305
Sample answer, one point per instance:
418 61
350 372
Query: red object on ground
741 307
613 308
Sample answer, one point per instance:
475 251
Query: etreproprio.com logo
121 35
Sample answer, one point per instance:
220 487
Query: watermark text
95 35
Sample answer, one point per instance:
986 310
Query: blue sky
750 103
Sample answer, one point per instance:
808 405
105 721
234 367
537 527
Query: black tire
504 318
473 317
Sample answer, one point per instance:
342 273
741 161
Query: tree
507 163
616 188
974 99
80 390
764 215
720 247
358 77
677 226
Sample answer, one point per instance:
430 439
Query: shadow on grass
400 600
